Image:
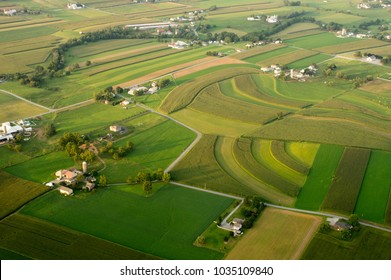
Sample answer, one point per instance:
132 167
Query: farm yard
263 100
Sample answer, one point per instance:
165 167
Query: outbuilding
65 191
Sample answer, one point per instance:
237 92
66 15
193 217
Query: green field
15 192
375 189
165 224
347 180
156 147
319 179
55 242
371 244
13 109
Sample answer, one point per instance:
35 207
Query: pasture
155 147
169 221
38 170
370 244
13 109
276 235
55 242
15 192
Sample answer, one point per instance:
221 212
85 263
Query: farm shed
65 191
116 128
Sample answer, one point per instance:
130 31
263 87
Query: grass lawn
319 179
276 235
372 200
164 224
370 244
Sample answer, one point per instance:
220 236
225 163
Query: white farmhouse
272 19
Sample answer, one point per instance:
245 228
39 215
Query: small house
65 191
125 103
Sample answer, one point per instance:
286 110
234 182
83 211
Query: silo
84 165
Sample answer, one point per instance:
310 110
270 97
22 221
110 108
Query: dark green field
165 224
371 244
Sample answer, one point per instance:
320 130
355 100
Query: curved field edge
225 157
183 95
242 153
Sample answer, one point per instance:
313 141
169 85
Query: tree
147 187
340 75
129 180
325 227
166 177
102 181
50 130
88 63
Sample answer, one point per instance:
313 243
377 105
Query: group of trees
252 207
147 178
105 94
227 37
116 152
292 3
72 144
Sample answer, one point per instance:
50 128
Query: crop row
131 61
243 154
253 86
351 46
52 241
279 152
183 95
257 50
212 101
346 183
285 59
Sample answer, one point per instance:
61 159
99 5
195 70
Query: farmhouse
67 176
272 19
178 45
10 12
76 6
64 190
8 128
134 90
339 224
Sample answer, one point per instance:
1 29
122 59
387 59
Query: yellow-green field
277 235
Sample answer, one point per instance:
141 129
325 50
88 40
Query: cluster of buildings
191 16
374 3
269 19
75 6
344 33
69 177
300 75
144 90
153 25
9 130
179 45
9 12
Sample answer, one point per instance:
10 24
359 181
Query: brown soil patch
183 69
377 86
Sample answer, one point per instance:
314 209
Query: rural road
199 136
26 100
